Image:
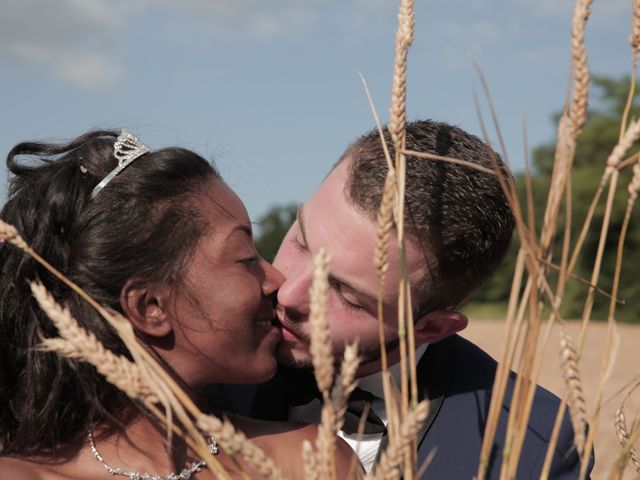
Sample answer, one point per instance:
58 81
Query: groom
459 227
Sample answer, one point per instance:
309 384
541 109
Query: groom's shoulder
468 365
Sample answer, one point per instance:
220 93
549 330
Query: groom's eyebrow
300 219
363 294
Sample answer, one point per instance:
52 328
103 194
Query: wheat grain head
576 400
234 442
77 343
393 457
320 348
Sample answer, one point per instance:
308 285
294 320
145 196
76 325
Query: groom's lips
287 333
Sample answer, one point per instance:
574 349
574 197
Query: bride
159 237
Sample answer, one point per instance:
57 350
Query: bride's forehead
221 204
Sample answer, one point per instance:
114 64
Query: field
490 335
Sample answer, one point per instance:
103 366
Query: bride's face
223 310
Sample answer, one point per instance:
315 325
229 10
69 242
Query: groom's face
330 221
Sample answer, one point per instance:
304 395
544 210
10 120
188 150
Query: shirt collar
373 383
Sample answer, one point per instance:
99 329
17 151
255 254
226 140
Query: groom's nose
294 292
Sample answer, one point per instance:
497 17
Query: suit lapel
432 382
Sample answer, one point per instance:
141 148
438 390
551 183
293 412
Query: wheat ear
576 401
321 351
404 39
579 63
384 228
311 470
10 234
323 363
235 442
623 436
345 384
617 154
78 343
392 458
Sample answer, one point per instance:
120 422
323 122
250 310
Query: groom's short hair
459 216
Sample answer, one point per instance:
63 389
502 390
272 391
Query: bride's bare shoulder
18 469
282 441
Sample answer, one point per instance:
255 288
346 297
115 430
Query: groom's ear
438 325
145 306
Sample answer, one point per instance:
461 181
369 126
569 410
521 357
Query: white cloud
259 18
74 40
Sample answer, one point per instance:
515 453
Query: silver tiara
126 149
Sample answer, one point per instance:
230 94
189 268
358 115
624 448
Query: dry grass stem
374 112
393 456
464 163
553 441
235 442
504 364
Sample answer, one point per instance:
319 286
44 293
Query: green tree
272 227
599 136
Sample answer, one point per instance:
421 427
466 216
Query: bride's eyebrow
242 228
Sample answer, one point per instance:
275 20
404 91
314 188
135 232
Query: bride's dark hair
142 225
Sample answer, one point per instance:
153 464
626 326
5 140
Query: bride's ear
146 307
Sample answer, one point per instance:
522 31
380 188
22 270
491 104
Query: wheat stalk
311 470
404 38
78 343
576 400
384 227
623 436
579 63
345 384
323 364
392 458
618 152
10 234
235 442
397 129
320 348
624 144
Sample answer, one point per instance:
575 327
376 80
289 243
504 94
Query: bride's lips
269 322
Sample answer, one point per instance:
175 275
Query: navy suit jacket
457 377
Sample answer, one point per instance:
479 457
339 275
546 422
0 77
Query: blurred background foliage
599 136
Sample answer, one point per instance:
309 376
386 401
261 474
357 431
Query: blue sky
269 88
